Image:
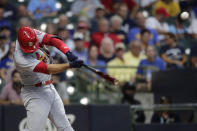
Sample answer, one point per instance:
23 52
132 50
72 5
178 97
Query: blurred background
150 46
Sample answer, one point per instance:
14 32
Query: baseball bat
103 75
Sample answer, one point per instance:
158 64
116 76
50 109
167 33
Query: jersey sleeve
51 40
41 68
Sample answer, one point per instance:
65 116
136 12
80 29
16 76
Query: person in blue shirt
93 59
7 61
38 9
151 63
147 66
80 51
134 33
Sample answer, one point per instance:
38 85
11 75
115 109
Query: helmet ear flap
27 39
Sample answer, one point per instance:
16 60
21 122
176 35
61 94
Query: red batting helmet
27 39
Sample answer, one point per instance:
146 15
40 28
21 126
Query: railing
180 108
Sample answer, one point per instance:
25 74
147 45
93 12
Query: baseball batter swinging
33 62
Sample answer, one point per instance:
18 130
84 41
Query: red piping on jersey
41 68
51 41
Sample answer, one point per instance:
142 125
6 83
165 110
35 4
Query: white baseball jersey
26 62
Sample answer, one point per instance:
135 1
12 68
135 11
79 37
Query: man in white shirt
158 22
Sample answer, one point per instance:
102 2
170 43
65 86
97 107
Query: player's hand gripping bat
103 75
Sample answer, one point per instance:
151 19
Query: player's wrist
71 57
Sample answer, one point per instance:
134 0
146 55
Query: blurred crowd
128 39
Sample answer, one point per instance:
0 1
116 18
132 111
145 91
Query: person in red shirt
103 31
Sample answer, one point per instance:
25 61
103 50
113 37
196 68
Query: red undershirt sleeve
41 68
48 39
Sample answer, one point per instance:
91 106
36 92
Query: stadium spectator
63 21
85 7
41 8
103 31
93 58
65 35
116 23
99 14
165 117
51 28
79 50
128 91
193 57
111 5
9 10
11 91
158 22
171 6
61 88
6 30
147 4
106 50
4 44
179 28
146 67
145 39
24 21
3 21
22 11
119 73
172 53
3 72
132 58
194 9
123 12
192 30
7 60
134 33
83 27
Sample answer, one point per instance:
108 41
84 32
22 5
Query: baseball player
33 62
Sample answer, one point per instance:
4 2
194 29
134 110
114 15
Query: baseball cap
162 11
120 46
78 36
